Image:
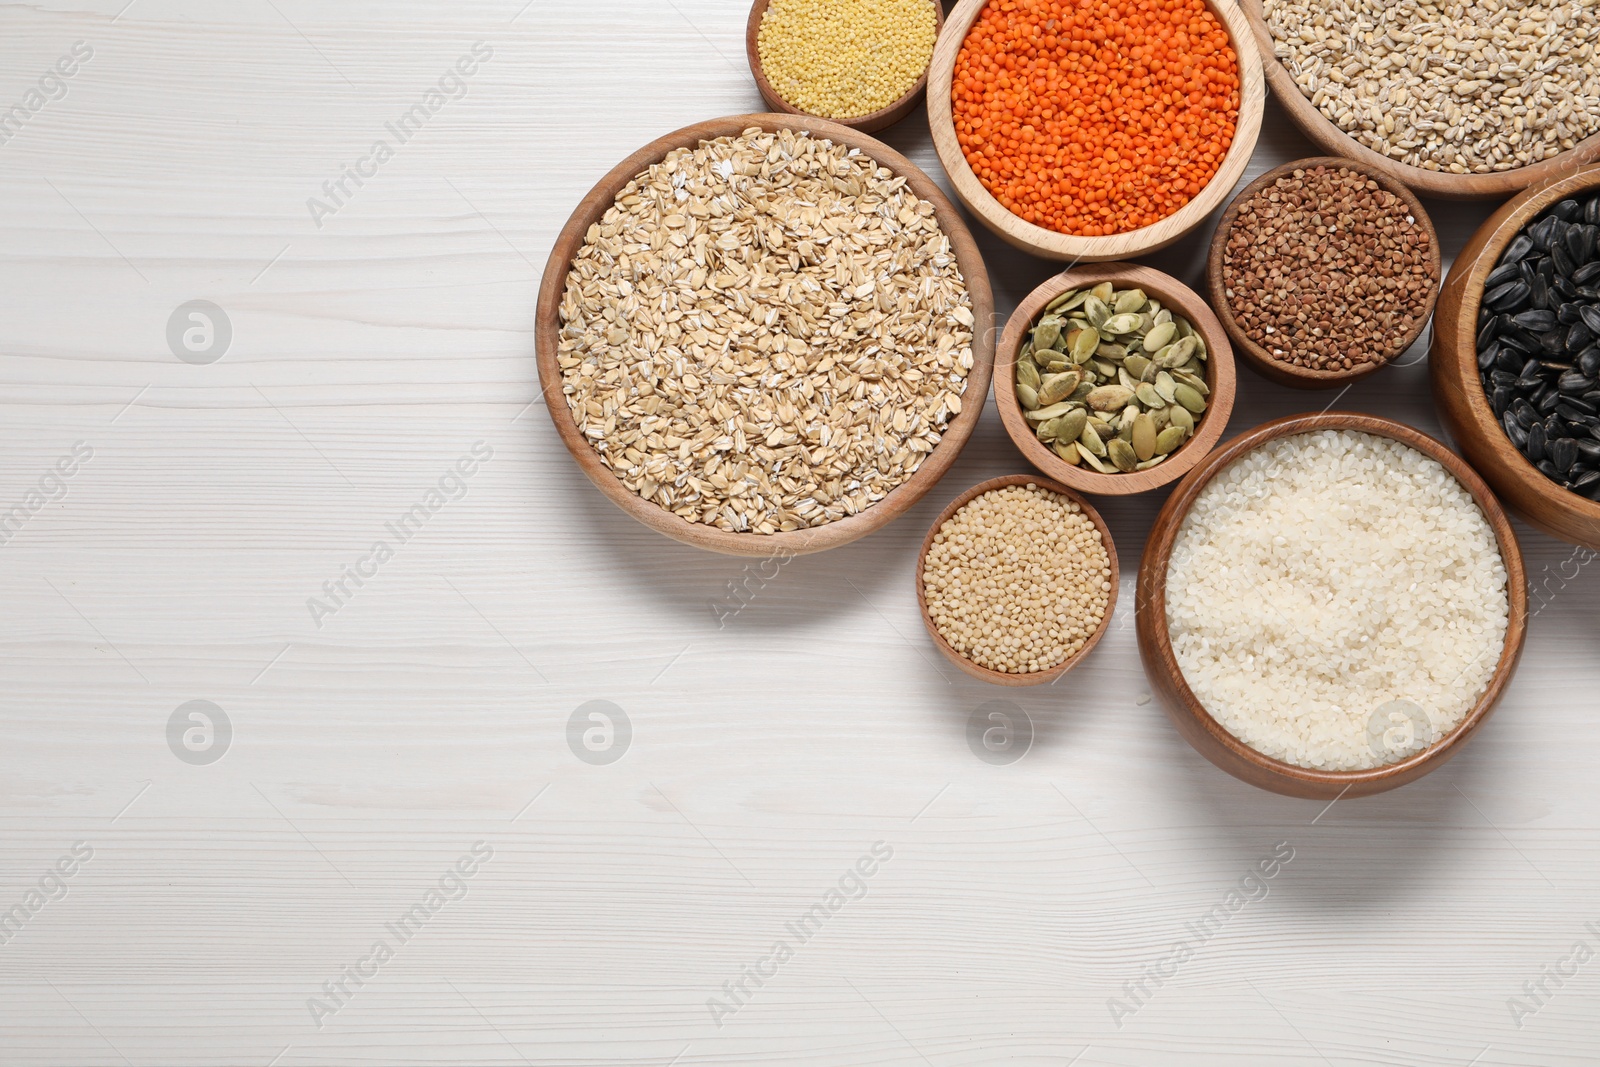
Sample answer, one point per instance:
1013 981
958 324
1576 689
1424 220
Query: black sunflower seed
1505 272
1589 452
1589 361
1538 320
1561 259
1586 273
1567 210
1579 336
1539 291
1514 431
1507 296
1574 382
1590 313
1519 248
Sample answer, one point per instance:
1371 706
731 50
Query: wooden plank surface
372 746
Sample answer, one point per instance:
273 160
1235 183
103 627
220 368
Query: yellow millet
1018 579
842 59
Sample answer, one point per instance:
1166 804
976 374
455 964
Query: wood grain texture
1259 359
781 723
1221 379
791 542
871 122
1052 244
976 670
1458 387
1210 737
1331 139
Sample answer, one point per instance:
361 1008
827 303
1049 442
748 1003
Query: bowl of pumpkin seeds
1114 379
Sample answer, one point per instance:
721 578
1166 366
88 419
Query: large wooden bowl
1259 359
1054 245
1458 390
1002 677
796 542
1209 737
1331 139
868 123
1221 378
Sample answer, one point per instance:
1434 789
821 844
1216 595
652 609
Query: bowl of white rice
1331 605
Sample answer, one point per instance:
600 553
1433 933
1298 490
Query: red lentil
1095 117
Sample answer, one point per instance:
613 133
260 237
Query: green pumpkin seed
1122 455
1048 413
1103 292
1151 462
1192 380
1084 343
1159 336
1094 461
1092 441
1060 302
1182 419
1186 396
1129 300
1114 397
1026 394
1135 366
1169 439
1058 387
1119 325
1028 373
1149 397
1161 315
1069 427
1082 392
1164 385
1144 437
1095 310
1068 452
1116 353
1046 334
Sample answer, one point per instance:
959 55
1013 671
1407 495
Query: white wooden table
374 743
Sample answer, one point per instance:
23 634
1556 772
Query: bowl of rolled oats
765 334
1471 100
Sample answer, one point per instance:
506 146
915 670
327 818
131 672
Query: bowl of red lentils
1092 130
860 63
1323 271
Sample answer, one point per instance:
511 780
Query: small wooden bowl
1209 737
1458 390
984 674
547 327
1330 138
1259 359
1221 378
868 123
1052 244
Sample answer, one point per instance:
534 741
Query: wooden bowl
1054 245
868 123
1259 359
1221 378
796 542
1209 737
1458 390
982 673
1330 138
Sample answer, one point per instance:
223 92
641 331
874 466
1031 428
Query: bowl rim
871 122
987 674
796 542
1221 379
1048 243
1322 132
1215 741
1458 388
1256 357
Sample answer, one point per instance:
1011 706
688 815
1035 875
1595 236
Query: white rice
1322 577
